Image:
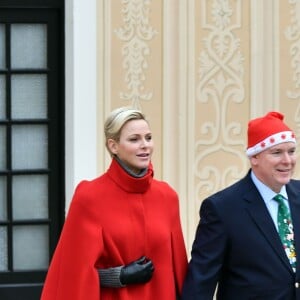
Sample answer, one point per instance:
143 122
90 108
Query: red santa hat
266 132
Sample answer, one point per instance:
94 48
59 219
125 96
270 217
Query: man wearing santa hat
248 237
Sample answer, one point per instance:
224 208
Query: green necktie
285 230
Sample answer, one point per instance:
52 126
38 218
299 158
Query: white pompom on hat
266 132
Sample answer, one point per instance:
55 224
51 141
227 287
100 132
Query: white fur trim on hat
270 141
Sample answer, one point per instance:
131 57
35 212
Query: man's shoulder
236 186
294 184
233 193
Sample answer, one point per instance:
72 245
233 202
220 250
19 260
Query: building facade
199 70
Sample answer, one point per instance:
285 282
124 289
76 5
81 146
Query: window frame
11 12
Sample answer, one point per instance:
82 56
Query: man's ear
112 146
254 159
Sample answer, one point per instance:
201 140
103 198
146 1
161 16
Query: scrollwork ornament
220 85
135 34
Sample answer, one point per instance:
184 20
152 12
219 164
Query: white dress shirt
268 195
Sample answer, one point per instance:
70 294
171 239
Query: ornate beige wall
199 69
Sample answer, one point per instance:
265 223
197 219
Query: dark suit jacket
238 248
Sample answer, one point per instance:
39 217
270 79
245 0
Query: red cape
112 221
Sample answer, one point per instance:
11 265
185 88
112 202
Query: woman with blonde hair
122 239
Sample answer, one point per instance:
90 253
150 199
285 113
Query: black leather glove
138 271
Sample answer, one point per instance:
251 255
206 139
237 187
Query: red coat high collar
127 182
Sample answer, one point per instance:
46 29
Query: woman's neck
141 173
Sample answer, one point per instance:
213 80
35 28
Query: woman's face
135 146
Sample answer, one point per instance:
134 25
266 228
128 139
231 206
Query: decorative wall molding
136 33
220 87
292 34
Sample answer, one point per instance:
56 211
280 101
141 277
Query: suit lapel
261 217
294 202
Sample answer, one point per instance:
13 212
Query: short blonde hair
117 119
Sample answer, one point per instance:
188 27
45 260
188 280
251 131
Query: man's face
275 166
